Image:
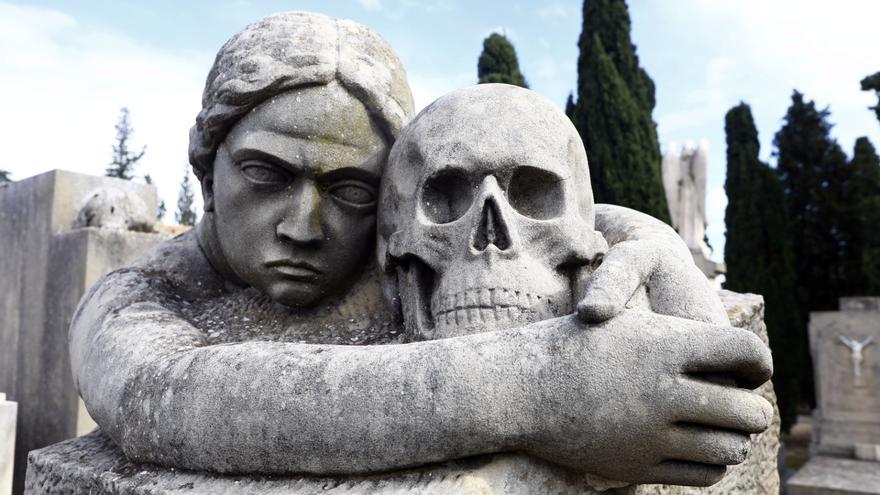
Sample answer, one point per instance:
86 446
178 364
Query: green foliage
498 62
827 232
759 256
864 197
872 82
161 209
186 213
124 160
613 113
4 176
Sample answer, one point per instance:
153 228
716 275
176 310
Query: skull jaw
481 296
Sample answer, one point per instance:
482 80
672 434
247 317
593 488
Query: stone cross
856 347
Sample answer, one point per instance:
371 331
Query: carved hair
293 49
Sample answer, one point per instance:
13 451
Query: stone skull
486 214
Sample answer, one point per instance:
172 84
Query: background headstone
93 464
846 431
46 266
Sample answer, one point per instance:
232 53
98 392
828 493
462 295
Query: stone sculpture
214 352
684 180
856 346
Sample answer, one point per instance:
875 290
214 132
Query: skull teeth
493 305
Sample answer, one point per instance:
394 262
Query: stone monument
57 242
684 180
8 411
846 431
575 347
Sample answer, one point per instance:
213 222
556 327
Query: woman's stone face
294 193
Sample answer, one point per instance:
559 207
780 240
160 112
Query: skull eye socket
536 193
446 196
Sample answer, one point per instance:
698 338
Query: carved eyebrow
242 154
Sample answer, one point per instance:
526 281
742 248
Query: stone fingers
718 407
695 443
624 269
685 473
729 353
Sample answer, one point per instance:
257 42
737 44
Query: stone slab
834 476
8 411
93 464
46 266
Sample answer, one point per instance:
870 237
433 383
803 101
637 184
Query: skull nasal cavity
491 229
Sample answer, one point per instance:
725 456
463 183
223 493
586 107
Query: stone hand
645 252
636 398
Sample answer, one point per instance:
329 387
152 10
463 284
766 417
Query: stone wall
47 265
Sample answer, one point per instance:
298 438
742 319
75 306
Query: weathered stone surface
823 475
758 474
8 411
115 208
846 360
93 463
46 266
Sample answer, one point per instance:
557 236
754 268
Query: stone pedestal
834 476
93 464
47 265
7 443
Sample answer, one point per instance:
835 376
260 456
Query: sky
67 67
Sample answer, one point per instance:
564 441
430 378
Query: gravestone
50 258
684 181
516 360
7 443
846 431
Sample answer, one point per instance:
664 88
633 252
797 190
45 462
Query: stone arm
589 400
647 264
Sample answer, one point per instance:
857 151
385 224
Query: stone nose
302 223
492 228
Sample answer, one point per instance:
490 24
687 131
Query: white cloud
65 83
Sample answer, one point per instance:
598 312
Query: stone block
868 452
93 464
46 267
824 475
7 443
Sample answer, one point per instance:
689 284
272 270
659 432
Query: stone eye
536 193
353 192
264 173
446 196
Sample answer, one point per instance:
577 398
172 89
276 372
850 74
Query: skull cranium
487 214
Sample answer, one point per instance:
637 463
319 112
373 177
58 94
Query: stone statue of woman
224 349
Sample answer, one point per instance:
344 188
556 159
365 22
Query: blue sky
66 67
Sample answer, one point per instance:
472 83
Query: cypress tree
864 196
4 176
186 213
758 253
872 82
498 62
124 160
815 173
613 112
